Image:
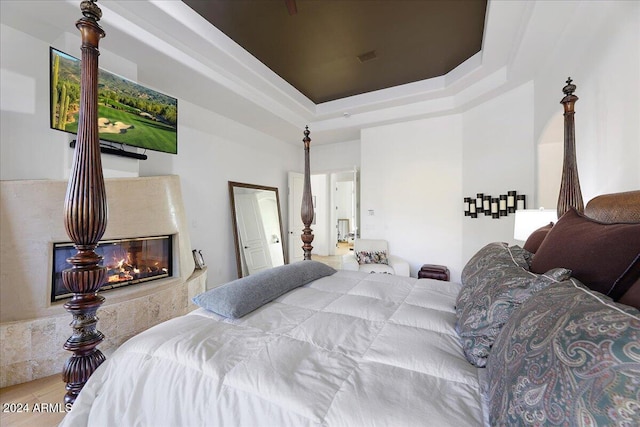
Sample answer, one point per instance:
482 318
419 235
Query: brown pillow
599 255
535 239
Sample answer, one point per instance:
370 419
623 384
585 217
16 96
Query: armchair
375 247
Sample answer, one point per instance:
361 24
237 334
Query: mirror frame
236 236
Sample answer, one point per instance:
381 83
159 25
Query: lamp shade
529 220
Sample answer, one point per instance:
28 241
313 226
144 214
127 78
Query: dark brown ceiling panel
317 49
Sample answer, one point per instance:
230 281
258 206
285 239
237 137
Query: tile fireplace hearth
33 328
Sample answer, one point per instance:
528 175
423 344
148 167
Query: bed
347 349
534 336
303 344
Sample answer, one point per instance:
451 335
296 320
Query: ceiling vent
367 56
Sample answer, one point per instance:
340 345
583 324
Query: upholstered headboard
616 207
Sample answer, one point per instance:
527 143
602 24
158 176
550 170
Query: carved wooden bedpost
85 216
570 194
307 200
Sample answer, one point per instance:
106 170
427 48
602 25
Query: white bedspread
351 349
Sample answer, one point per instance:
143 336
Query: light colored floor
344 248
38 403
334 260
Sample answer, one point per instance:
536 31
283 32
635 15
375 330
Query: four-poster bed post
307 200
85 217
570 195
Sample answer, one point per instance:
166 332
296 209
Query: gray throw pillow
240 297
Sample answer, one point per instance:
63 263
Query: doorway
345 215
335 197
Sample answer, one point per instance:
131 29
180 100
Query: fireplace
33 328
128 261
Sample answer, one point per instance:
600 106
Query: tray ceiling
330 50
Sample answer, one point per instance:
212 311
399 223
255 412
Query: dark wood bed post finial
307 200
85 217
570 195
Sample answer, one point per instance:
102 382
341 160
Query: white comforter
351 349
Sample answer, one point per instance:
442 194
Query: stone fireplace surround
32 329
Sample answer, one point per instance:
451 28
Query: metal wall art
494 206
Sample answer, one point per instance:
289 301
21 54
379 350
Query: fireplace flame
122 270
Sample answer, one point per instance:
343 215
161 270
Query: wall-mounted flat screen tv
128 113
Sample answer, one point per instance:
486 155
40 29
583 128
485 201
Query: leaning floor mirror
257 227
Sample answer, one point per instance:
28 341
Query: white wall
412 181
415 175
212 149
549 164
498 156
604 62
608 113
24 126
335 157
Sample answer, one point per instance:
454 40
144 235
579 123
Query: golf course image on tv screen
128 113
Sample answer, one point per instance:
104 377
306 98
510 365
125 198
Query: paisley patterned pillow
567 356
491 302
372 257
493 256
484 269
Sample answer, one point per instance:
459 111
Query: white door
296 186
254 244
356 203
